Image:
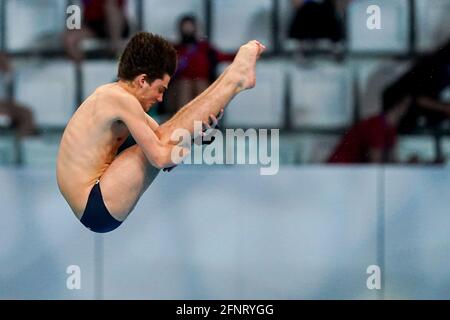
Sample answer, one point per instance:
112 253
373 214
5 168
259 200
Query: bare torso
89 145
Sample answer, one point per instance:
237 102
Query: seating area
312 101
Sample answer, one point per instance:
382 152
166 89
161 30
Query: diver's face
153 92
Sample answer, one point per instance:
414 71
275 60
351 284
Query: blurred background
364 119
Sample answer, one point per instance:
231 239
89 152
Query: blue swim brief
96 216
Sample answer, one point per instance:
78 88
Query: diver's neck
130 88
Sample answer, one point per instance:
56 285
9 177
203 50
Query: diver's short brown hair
148 54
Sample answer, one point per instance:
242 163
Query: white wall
321 95
97 73
28 23
40 239
432 23
263 106
48 88
228 233
392 37
161 16
251 19
417 237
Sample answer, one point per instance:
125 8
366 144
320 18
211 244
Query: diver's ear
140 80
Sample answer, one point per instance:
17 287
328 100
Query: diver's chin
148 107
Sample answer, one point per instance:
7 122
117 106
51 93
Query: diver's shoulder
113 94
109 89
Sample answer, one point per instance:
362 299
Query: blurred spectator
12 114
318 20
102 19
427 79
434 105
373 140
197 62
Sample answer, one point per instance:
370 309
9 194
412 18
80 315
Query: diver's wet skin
101 186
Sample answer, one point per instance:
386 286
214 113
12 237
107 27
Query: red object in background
94 10
194 60
372 133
